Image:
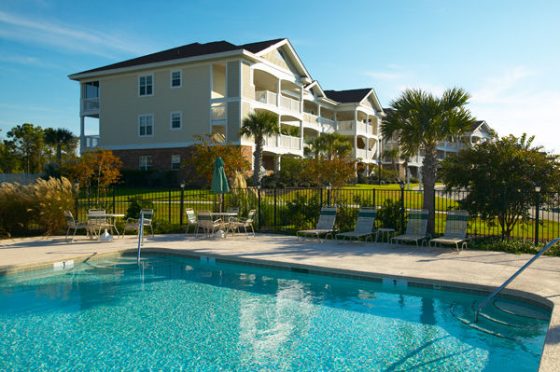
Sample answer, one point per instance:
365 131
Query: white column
277 159
301 99
278 90
279 134
301 135
367 149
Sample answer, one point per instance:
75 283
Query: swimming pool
180 312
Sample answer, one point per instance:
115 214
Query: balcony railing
310 118
266 96
90 105
289 104
286 142
218 112
91 141
356 127
362 154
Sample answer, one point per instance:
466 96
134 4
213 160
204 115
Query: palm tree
421 120
330 145
60 138
259 124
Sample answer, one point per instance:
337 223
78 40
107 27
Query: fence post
401 184
259 214
275 208
374 201
114 199
537 212
169 206
181 205
321 197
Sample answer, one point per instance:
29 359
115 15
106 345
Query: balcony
266 97
283 144
218 112
289 104
90 106
91 142
311 121
353 127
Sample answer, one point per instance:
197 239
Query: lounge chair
416 228
134 223
455 230
324 227
364 225
192 220
245 224
72 223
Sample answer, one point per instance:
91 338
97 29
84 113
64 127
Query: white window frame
171 79
180 113
153 85
172 162
140 125
149 162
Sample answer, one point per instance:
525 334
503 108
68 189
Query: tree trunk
258 161
429 182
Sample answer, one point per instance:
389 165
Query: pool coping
549 359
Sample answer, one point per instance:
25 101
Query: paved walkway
477 269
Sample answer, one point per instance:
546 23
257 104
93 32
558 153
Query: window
146 125
175 162
145 162
175 79
146 85
175 120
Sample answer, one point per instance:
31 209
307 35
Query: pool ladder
140 234
492 295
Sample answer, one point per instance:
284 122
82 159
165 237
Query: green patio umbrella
220 183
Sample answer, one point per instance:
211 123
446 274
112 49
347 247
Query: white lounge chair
72 223
455 230
208 224
324 227
237 225
364 225
416 228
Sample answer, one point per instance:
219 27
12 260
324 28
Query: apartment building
149 109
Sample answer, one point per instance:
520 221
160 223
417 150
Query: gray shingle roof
345 96
186 51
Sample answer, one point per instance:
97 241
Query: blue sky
505 53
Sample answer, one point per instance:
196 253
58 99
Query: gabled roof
186 51
347 96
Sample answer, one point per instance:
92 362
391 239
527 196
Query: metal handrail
140 234
490 297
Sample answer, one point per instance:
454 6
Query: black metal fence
289 209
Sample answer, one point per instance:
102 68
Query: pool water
186 313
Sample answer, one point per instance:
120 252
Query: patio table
112 217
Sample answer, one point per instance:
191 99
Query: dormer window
146 85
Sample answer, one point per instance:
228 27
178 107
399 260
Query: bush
136 204
387 176
302 211
389 215
510 246
42 203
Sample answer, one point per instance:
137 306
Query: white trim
180 120
211 79
180 71
150 146
152 75
171 165
153 125
149 164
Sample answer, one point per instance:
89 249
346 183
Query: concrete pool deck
468 269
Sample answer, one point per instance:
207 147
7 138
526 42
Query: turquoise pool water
186 313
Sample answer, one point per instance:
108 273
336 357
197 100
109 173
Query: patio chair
416 228
192 220
364 226
455 230
134 223
243 223
97 221
325 225
72 223
208 224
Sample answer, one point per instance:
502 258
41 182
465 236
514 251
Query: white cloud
513 104
76 39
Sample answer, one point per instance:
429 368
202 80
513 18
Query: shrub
15 208
50 199
389 215
136 204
